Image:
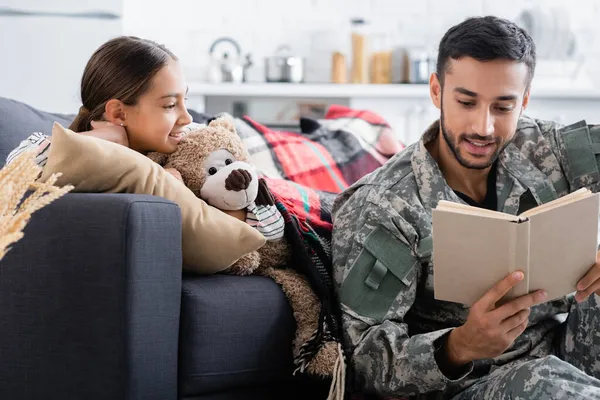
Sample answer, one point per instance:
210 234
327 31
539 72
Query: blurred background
278 60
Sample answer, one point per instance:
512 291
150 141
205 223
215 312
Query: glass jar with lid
359 33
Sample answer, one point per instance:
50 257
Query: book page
569 198
444 205
471 254
563 246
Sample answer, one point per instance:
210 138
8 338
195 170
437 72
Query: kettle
225 68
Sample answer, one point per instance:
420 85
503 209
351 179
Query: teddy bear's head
212 161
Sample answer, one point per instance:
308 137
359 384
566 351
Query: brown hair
122 69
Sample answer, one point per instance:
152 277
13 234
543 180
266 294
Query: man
483 151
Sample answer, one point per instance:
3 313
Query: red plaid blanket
307 169
309 205
338 150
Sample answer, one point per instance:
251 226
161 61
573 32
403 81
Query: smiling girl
133 93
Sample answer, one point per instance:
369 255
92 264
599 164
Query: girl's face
155 123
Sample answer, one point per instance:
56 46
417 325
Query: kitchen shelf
308 90
381 91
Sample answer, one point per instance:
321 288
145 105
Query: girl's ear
114 112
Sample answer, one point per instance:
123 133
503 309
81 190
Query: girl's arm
40 143
37 142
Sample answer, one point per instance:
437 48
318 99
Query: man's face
480 105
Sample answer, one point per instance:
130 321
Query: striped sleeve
267 220
37 142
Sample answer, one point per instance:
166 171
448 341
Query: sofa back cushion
19 120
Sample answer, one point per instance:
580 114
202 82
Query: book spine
519 256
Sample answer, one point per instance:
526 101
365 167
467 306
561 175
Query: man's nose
484 124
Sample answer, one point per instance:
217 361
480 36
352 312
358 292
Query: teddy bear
214 165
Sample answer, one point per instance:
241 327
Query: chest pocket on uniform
580 148
384 268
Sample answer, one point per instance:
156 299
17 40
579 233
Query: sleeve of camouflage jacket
377 278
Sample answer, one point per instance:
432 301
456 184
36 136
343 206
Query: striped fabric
38 142
267 220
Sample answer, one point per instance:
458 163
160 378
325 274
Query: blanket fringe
338 378
309 349
337 388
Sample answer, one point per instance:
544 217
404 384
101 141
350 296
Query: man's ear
435 90
526 99
114 112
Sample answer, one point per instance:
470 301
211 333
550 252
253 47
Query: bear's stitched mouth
236 205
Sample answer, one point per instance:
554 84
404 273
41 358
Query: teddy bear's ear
223 122
159 158
264 196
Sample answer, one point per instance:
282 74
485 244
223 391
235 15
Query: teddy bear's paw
246 265
323 363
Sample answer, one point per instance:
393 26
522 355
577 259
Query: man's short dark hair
486 39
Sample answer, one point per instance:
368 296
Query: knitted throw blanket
308 227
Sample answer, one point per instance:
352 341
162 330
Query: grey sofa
94 305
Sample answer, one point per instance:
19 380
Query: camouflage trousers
570 370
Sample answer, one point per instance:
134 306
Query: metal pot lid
283 55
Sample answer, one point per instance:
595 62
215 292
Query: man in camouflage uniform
483 151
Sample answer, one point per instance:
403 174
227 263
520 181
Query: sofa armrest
90 301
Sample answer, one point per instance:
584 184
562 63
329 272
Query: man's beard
452 141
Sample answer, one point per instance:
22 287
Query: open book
554 244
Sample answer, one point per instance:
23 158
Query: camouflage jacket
382 249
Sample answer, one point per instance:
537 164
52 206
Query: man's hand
490 330
590 283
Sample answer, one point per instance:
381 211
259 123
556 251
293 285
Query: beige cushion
211 239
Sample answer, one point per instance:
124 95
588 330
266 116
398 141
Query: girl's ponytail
83 119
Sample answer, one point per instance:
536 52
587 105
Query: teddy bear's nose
238 180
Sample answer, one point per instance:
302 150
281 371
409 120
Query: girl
133 93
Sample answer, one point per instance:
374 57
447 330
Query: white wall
188 27
43 55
